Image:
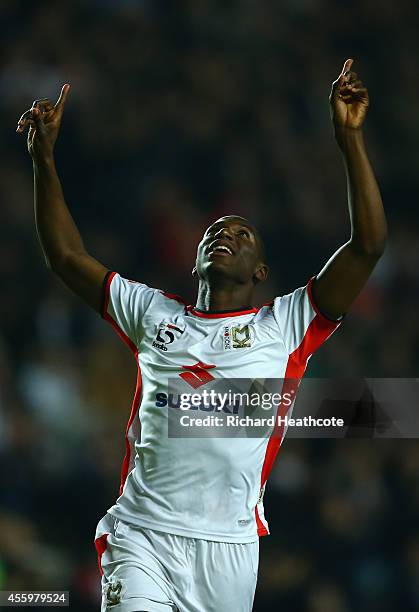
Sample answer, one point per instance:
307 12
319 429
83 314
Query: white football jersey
210 488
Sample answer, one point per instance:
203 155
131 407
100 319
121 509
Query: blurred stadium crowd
180 112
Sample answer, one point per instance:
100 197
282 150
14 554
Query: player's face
230 248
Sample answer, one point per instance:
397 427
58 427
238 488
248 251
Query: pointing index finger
59 105
346 68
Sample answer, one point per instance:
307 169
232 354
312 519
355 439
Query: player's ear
261 273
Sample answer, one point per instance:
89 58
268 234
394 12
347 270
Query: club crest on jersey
238 337
113 593
167 333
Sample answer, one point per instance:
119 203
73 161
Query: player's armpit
342 279
84 275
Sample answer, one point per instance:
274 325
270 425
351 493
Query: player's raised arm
345 274
59 237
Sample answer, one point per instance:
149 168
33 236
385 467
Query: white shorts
152 571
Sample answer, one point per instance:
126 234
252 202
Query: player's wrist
43 162
345 136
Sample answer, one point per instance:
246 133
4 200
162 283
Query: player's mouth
222 250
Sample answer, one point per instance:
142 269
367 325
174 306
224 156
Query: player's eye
244 233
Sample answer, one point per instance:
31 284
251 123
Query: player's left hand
348 99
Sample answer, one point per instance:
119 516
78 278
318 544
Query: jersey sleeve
124 305
303 327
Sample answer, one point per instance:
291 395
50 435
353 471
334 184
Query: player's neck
232 297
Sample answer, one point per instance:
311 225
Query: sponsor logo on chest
238 337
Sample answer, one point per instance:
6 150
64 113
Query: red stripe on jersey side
221 315
134 410
293 374
100 545
137 395
112 321
261 529
317 332
122 334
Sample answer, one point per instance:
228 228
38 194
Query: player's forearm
368 221
57 232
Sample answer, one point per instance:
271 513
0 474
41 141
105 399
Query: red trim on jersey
173 296
261 529
212 315
134 411
314 305
293 374
112 321
221 315
122 334
137 395
100 545
317 332
107 293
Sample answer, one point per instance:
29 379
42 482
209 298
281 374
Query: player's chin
219 265
222 262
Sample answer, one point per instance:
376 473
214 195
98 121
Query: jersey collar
220 313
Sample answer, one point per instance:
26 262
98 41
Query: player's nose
224 232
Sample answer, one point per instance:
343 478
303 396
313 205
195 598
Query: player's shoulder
294 294
173 300
129 286
167 305
297 298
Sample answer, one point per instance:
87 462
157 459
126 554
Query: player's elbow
375 250
53 263
57 264
371 248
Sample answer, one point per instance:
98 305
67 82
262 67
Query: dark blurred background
181 112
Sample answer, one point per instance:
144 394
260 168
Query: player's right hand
44 120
